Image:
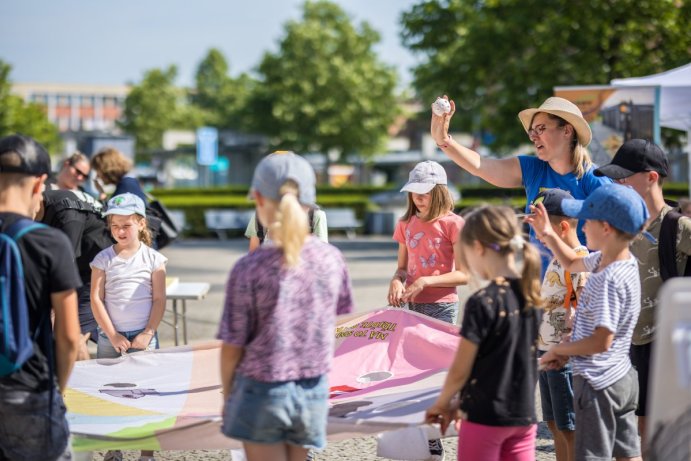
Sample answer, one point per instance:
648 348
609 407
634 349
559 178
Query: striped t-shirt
611 299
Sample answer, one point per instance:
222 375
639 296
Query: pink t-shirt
430 252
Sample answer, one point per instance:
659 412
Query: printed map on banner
389 366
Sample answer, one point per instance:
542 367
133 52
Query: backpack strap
21 227
667 246
261 233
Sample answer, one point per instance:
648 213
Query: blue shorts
30 429
556 395
291 412
105 349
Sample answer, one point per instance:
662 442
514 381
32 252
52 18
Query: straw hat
564 109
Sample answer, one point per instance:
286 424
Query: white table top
187 290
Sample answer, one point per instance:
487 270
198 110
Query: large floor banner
388 368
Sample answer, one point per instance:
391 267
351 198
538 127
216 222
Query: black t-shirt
501 388
49 267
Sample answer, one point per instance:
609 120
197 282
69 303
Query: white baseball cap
126 204
424 177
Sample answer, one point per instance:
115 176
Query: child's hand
415 289
120 343
440 414
539 219
142 340
552 361
396 290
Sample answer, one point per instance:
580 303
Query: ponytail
530 276
145 232
291 227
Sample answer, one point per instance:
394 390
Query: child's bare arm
158 307
66 332
600 341
230 357
450 279
98 307
567 257
397 285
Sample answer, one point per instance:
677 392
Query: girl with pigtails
495 367
278 321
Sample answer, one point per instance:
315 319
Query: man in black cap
642 165
32 411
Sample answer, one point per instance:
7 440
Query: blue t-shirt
537 176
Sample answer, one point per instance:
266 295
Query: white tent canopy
675 99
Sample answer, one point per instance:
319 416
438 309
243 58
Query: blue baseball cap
618 205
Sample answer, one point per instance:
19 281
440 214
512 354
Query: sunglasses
79 172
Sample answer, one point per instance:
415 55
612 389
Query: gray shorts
440 311
29 429
607 425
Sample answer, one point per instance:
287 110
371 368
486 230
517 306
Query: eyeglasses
80 172
537 131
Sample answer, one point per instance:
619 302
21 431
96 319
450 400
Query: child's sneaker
436 450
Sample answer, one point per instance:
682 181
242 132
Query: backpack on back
16 342
667 247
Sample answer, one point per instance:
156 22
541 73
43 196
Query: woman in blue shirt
560 135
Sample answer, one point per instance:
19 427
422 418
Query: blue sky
113 42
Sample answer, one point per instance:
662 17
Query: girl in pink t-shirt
429 248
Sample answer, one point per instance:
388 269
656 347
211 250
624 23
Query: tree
498 57
325 89
18 116
152 107
217 94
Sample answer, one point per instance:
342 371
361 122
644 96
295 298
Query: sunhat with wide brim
564 109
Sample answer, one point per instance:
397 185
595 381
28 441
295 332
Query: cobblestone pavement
371 262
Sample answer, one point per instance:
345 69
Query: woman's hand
415 289
440 124
440 414
396 289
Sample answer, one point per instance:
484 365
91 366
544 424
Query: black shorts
640 358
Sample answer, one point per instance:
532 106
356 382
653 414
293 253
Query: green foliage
17 116
152 107
325 89
220 97
495 58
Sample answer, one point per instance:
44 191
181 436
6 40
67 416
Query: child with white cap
429 252
278 321
128 287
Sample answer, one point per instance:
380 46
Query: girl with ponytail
278 321
495 367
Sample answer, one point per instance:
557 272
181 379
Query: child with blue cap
605 383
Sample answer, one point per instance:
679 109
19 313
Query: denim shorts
30 429
291 412
105 349
440 311
556 395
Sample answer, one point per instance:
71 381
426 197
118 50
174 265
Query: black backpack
162 227
667 246
261 233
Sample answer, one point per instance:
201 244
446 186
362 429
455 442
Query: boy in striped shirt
605 383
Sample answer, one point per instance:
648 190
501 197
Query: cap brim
418 187
613 171
120 212
573 208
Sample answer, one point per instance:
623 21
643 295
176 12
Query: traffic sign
207 145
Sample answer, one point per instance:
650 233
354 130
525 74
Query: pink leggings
477 442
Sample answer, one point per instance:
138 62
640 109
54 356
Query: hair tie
516 243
